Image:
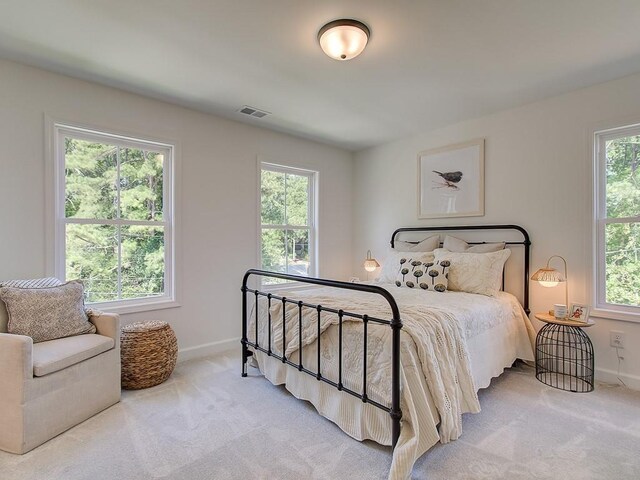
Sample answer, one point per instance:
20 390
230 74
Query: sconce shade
370 264
343 39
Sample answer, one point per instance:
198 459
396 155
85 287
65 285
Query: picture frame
579 313
451 181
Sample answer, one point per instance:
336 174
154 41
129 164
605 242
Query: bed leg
245 350
396 411
244 360
395 430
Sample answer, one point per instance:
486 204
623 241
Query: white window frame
312 215
62 130
602 308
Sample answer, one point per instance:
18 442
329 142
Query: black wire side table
564 354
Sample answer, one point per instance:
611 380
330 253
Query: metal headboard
526 243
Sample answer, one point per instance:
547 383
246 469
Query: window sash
285 227
61 132
311 211
602 220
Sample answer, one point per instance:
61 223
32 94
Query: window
287 216
618 220
113 227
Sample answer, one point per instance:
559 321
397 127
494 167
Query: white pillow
427 245
427 276
474 272
454 244
391 265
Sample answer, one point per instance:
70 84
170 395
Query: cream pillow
474 272
427 245
391 265
454 244
46 313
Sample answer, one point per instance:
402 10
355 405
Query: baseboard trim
206 349
611 376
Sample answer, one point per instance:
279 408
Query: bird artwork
449 179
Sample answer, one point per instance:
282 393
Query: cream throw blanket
433 333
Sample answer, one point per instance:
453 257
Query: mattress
492 333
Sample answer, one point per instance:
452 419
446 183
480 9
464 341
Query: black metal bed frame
394 323
525 242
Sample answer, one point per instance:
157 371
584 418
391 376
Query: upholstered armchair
51 386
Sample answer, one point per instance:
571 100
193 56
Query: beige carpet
207 422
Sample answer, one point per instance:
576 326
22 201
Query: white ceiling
428 64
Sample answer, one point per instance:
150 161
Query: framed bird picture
451 181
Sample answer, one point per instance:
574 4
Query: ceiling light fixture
343 39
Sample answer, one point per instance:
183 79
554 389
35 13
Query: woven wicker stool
148 352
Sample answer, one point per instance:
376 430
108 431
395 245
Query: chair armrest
107 324
16 364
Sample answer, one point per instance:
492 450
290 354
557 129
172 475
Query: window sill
134 306
615 315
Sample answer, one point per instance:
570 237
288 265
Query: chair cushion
54 355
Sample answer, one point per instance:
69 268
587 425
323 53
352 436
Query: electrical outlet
616 339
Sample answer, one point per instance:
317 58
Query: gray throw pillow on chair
46 313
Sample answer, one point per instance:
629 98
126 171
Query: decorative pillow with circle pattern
413 273
391 264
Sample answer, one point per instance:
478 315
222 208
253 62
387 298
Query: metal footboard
394 323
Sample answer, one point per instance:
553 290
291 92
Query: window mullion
119 227
109 221
119 241
610 220
283 227
118 183
286 214
286 251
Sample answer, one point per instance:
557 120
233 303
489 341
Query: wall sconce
370 264
550 277
343 39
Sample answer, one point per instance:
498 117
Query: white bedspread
434 337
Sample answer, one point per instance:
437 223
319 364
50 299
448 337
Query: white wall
217 189
538 168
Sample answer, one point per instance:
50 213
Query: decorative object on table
550 277
451 181
149 351
343 39
559 310
564 354
579 312
370 264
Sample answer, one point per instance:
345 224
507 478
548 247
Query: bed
398 366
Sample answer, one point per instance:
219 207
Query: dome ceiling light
343 39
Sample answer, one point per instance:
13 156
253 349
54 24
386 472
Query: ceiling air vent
253 112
